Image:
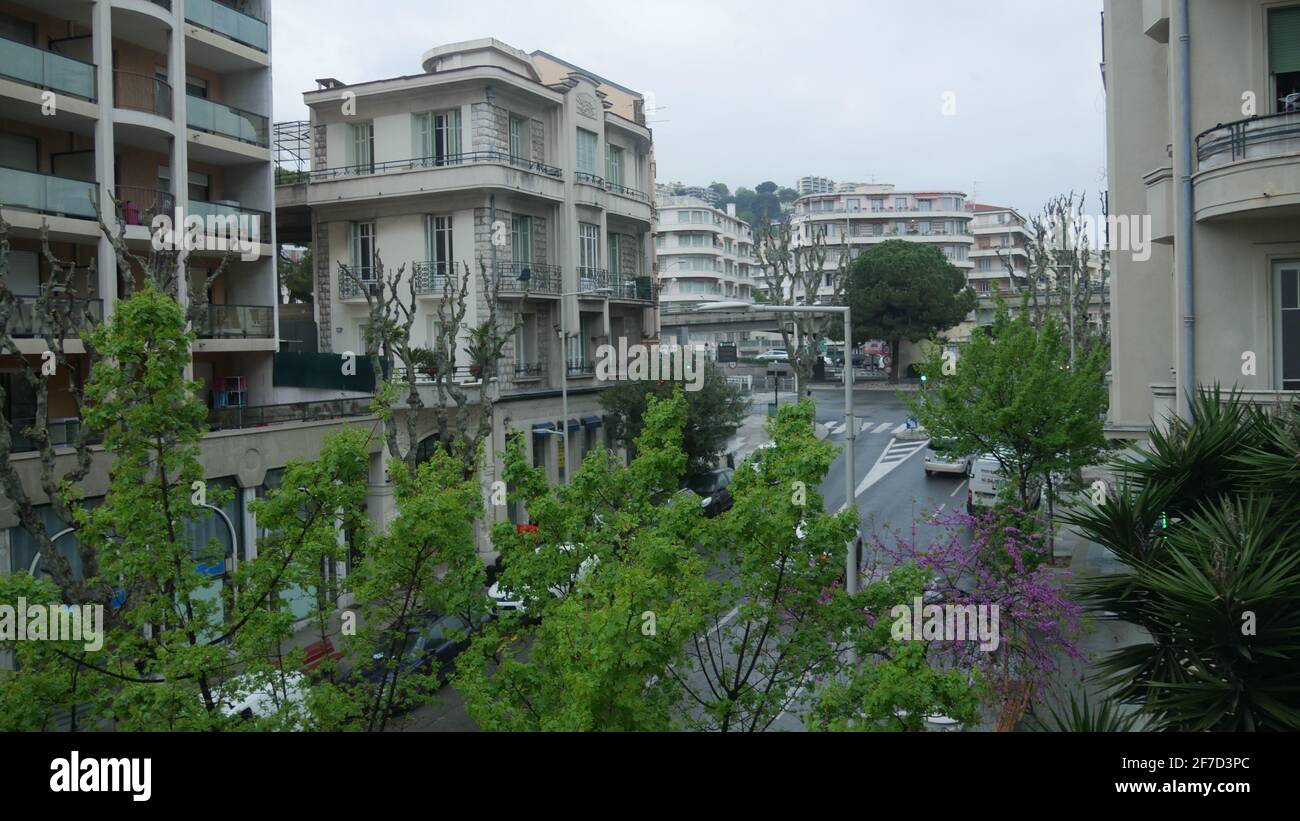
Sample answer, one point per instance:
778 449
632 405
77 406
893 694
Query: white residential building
814 185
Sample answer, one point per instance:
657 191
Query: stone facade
489 128
324 323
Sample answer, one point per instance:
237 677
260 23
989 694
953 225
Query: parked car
986 482
431 643
508 601
940 459
714 490
774 355
251 697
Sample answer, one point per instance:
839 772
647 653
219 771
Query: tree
794 270
1204 518
298 278
1065 275
614 577
905 291
787 195
724 193
714 414
1010 392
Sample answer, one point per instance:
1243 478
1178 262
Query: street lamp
564 373
850 561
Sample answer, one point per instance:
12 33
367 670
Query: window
363 250
437 136
586 151
521 239
855 204
588 250
683 216
361 147
924 205
437 242
900 203
525 337
614 164
1287 296
615 254
1284 57
518 137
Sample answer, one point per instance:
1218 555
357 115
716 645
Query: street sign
727 353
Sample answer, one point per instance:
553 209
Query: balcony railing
142 92
533 370
448 160
434 278
24 323
258 416
587 178
592 279
533 277
247 219
638 289
140 205
1266 136
351 289
580 367
63 433
238 322
624 191
217 118
45 69
224 20
47 194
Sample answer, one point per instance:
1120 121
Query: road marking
724 621
882 427
883 465
899 429
837 428
959 487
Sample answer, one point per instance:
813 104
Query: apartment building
532 167
814 185
1215 299
869 214
164 106
704 254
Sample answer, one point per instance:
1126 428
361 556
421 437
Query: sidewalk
753 431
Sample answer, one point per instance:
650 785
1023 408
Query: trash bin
771 409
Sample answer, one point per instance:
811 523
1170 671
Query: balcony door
1286 296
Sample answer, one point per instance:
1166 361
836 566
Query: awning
544 426
591 421
573 425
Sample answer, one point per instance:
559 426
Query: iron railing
623 190
447 160
434 278
138 206
142 92
592 279
580 367
534 370
1237 139
587 178
351 289
533 277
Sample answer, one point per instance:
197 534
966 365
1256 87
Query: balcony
1249 168
62 432
580 368
227 121
529 370
47 194
226 21
251 223
421 176
238 322
591 280
631 289
257 416
46 70
351 289
25 323
434 278
138 205
142 92
528 277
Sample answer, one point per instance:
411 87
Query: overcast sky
756 90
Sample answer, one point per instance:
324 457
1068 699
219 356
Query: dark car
713 488
431 644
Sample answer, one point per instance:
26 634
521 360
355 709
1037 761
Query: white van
986 482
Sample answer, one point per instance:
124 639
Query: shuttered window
1284 40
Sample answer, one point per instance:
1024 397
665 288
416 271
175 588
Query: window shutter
1284 40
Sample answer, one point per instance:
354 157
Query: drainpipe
1187 368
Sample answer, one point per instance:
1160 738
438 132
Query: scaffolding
291 145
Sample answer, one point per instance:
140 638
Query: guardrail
445 161
46 69
256 416
534 277
1272 134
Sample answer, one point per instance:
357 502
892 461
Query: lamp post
850 561
564 372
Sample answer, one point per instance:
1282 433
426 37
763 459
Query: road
893 495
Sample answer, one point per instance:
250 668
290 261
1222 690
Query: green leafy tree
1010 392
299 277
905 291
613 575
714 414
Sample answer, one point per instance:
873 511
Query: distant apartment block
814 185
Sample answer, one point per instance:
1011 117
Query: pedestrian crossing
868 427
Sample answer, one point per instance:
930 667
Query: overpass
675 325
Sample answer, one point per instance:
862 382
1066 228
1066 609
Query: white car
507 601
939 460
774 355
986 481
249 697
